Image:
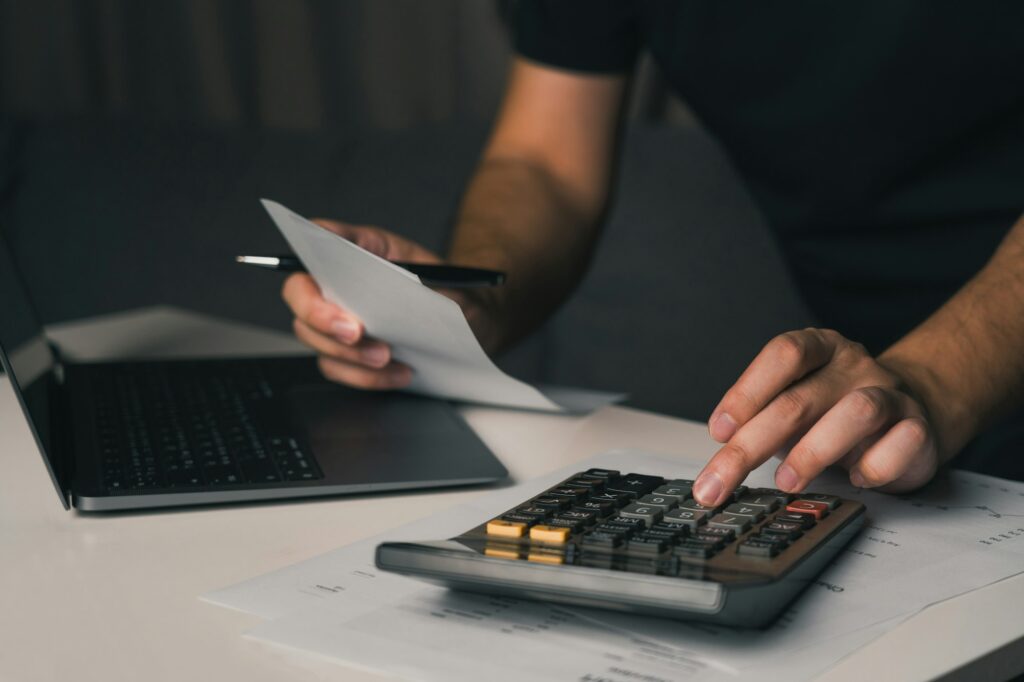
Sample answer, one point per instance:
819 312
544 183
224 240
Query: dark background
136 138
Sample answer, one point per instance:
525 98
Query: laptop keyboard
161 427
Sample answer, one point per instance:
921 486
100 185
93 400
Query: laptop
149 434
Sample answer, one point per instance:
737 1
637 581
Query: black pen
447 276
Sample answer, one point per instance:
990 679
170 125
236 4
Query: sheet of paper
964 532
426 330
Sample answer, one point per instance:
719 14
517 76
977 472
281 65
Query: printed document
426 330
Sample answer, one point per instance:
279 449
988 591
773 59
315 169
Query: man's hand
347 355
837 404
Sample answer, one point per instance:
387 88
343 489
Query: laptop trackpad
361 437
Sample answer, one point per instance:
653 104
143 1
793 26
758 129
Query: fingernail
857 479
346 330
377 356
786 478
722 427
707 489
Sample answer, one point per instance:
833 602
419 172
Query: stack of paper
962 533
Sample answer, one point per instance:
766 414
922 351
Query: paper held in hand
425 329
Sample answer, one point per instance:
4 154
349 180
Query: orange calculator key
818 510
506 529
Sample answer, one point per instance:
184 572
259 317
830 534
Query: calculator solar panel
641 543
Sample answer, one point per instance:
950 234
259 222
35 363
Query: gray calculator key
768 502
831 500
696 506
646 512
737 523
677 491
685 483
656 500
755 513
686 517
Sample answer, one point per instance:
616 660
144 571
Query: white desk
113 597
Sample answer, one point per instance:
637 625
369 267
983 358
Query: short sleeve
580 35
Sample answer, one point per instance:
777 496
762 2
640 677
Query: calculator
641 543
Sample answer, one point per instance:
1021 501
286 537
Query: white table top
114 597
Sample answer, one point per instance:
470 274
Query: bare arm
534 205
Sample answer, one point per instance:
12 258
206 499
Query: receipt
426 330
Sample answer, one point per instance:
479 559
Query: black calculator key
757 549
656 500
611 529
572 524
755 513
569 493
534 511
552 503
618 499
602 541
601 473
668 536
591 484
805 520
599 507
787 529
584 517
648 513
520 518
831 500
726 534
626 522
678 530
636 485
714 541
693 549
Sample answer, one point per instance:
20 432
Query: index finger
782 361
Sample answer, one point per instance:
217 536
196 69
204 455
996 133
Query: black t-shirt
883 139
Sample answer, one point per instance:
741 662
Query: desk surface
115 596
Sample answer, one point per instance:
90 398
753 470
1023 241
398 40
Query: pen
448 276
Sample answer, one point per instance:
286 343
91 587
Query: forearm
966 361
517 217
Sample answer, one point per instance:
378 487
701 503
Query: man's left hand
834 404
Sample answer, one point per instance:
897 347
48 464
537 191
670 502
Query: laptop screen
28 361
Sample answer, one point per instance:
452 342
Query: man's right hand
346 354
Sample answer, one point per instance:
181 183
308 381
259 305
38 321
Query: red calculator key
818 510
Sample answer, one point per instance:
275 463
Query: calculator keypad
599 517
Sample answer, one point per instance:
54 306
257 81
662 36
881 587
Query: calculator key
693 549
645 545
831 500
656 500
591 484
781 496
787 529
755 513
683 483
549 533
569 493
520 518
737 524
756 548
602 541
686 517
772 539
641 511
585 517
697 506
599 507
534 511
668 536
726 534
625 522
615 529
677 529
767 502
506 529
636 485
552 503
572 524
713 541
818 510
680 493
601 473
618 499
739 492
805 520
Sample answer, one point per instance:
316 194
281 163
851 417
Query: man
884 142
